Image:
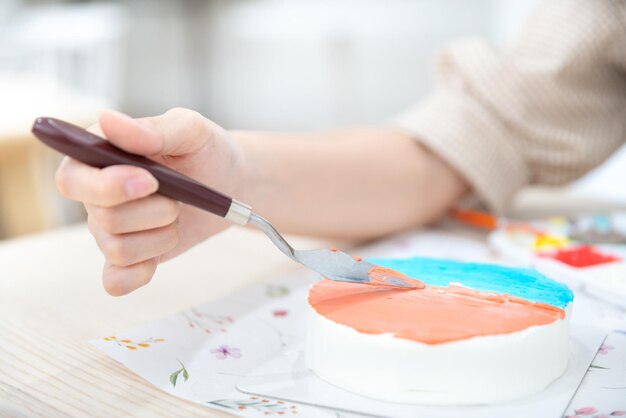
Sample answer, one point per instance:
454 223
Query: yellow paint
550 242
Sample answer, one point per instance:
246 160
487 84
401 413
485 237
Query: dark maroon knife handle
92 150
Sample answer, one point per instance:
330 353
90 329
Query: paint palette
586 252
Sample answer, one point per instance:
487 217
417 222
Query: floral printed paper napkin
199 354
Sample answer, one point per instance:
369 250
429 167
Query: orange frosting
430 315
383 276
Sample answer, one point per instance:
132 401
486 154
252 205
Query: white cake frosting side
479 370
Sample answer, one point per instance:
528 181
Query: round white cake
476 334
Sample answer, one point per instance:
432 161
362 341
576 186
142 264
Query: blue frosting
520 282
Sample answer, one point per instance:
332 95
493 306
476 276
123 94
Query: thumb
176 132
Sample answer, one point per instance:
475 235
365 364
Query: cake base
474 334
480 370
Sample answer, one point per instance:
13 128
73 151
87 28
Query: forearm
356 183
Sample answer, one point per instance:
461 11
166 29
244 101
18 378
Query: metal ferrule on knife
238 213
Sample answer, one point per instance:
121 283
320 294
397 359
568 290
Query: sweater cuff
467 136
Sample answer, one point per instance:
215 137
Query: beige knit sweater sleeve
544 110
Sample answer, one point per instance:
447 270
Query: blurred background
281 65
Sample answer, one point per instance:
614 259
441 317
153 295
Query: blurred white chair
80 45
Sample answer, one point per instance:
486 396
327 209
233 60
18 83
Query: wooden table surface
52 303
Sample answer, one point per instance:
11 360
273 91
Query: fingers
105 187
132 226
151 212
124 250
176 132
120 281
132 236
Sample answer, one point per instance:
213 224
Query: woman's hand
134 227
